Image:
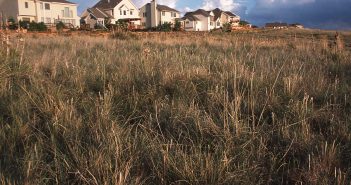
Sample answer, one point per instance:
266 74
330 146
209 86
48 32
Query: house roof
58 1
166 8
190 17
230 13
107 4
97 13
217 12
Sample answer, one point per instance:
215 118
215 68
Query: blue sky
324 14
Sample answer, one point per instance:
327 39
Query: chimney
154 18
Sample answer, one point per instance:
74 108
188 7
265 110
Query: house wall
57 13
189 25
27 13
128 7
167 17
9 8
145 21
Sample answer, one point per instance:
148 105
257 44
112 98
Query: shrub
177 26
24 24
33 26
166 27
60 26
227 27
12 24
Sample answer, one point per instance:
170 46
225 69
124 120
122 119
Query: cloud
324 14
227 5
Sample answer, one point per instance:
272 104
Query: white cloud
227 5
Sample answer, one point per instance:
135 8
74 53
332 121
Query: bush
227 27
177 26
60 26
166 27
33 26
24 24
12 24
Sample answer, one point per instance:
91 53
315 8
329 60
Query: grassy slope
241 108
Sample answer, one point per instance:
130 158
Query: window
174 14
187 22
218 23
71 14
131 12
125 12
120 12
144 14
211 23
41 7
26 4
66 12
48 20
163 13
47 6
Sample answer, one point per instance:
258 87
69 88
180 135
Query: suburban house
276 25
153 14
46 11
95 17
199 20
202 20
222 17
111 11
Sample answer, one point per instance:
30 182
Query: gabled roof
191 18
165 8
107 4
97 13
58 1
230 13
217 12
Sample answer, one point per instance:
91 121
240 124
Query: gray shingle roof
58 1
107 4
96 12
166 8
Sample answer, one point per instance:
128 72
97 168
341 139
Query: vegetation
243 23
177 26
227 27
270 107
60 26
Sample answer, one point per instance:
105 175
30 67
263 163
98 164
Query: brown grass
249 107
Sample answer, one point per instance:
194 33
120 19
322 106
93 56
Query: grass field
250 107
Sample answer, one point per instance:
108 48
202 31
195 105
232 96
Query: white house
221 17
153 14
199 20
114 10
47 11
202 20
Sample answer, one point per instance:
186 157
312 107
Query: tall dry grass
240 108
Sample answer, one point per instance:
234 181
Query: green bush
60 26
12 24
177 26
166 27
33 26
24 24
227 27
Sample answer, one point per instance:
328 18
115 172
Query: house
202 20
296 25
111 11
46 11
153 14
222 17
199 20
95 17
276 25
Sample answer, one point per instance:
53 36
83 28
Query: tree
243 23
227 27
177 26
166 27
12 24
60 26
